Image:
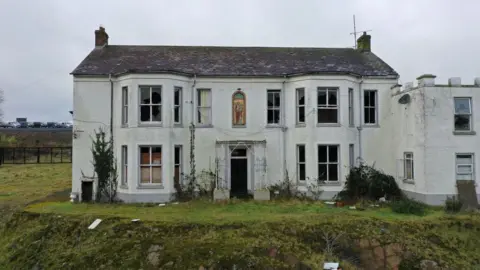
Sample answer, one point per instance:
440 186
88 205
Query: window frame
470 114
124 166
151 105
327 106
299 163
300 106
351 108
279 107
175 164
140 165
412 163
351 155
179 106
472 165
198 107
329 163
124 115
375 107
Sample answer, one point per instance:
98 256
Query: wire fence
35 155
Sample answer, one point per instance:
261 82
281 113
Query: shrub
408 206
453 205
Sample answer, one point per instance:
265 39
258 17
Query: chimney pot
476 82
364 43
101 37
426 80
455 81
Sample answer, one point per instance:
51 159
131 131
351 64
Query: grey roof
231 61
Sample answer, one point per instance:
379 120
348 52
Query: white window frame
470 115
299 163
274 107
125 106
180 164
329 162
150 165
351 113
151 105
178 89
471 165
351 155
300 106
203 107
408 156
327 106
124 162
375 107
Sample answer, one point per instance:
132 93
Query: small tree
105 167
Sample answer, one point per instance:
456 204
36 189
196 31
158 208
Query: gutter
359 126
111 104
284 129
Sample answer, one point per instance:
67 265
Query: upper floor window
273 107
177 105
204 107
351 120
327 105
124 106
464 167
300 98
370 107
463 113
151 104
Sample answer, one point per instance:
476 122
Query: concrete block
221 194
261 195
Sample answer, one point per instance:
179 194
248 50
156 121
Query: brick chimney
363 43
101 37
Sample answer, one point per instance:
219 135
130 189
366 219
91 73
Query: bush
365 182
453 205
408 206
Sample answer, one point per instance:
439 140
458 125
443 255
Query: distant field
40 136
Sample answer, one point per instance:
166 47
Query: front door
87 191
239 173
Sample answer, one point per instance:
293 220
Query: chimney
455 81
476 82
101 37
426 80
363 43
397 88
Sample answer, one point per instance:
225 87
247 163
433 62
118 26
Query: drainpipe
193 98
111 104
359 126
284 128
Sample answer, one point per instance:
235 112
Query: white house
258 112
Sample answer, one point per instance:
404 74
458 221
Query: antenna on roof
355 32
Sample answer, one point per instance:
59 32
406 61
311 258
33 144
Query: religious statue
238 108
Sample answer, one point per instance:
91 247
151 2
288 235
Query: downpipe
359 126
284 130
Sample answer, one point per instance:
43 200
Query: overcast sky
43 41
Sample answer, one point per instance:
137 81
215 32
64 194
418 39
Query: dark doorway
87 191
239 173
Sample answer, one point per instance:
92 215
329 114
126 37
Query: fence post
24 156
38 154
51 155
61 154
13 156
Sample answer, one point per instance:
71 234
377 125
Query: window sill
329 125
123 186
204 126
273 126
408 181
124 126
152 124
178 125
300 125
331 183
464 132
371 126
302 183
154 186
244 126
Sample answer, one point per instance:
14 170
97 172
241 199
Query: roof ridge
233 47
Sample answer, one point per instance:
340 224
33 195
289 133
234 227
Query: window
151 104
408 165
204 107
178 163
370 107
351 155
177 105
124 165
328 162
327 105
150 165
301 166
124 106
463 114
464 167
300 105
273 107
351 121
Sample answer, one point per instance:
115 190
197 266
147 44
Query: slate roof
231 61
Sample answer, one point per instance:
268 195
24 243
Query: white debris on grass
330 266
352 207
175 203
94 224
162 204
330 203
135 220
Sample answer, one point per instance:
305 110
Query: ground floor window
301 166
178 155
328 162
464 167
408 165
150 165
124 161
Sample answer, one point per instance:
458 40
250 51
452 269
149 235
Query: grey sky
43 41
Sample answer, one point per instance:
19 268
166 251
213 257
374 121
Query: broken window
408 165
150 165
273 107
300 105
151 104
204 107
327 105
464 167
370 107
301 163
328 162
463 114
177 105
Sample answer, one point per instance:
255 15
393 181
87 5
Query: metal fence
35 155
